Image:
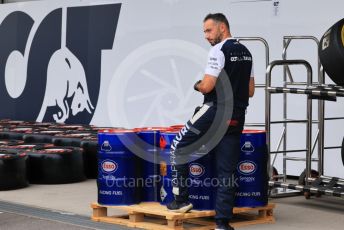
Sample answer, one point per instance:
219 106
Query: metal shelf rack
322 185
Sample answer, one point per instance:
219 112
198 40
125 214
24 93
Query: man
229 61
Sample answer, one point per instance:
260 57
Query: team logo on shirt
242 58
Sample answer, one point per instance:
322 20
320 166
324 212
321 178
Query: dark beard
217 40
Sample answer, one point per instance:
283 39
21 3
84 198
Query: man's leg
227 157
180 152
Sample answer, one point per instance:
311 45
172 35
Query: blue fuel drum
150 138
252 170
118 168
202 172
165 184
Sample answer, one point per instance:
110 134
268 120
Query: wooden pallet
153 216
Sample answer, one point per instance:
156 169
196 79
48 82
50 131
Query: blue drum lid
115 140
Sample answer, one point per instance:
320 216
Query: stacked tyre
12 170
16 133
331 52
69 139
20 145
343 151
90 147
55 165
41 136
5 143
88 142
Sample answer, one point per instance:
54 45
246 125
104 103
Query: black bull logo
62 71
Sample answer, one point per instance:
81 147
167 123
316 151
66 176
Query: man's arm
215 64
251 87
207 84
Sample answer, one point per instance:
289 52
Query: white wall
159 51
292 18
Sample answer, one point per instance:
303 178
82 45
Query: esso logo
247 167
109 166
196 170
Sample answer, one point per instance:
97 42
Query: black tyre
72 127
70 139
45 136
16 133
35 138
11 122
12 170
343 151
3 135
274 174
90 158
331 52
27 146
302 181
55 165
65 141
4 143
43 124
302 177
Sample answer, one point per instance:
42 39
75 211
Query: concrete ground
11 221
73 200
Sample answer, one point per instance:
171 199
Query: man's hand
207 84
196 85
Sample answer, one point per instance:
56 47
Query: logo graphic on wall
165 96
50 70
